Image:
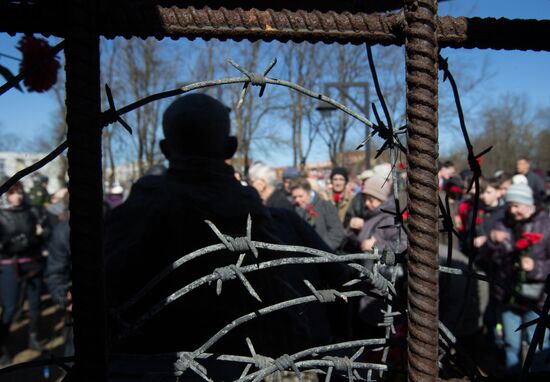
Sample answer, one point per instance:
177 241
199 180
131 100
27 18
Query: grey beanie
519 193
378 187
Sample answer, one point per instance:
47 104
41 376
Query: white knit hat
519 193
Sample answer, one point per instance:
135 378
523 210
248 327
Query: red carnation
41 68
523 243
533 237
405 215
313 213
402 166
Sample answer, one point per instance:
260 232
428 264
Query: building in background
13 162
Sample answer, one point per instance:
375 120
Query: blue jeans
511 320
11 281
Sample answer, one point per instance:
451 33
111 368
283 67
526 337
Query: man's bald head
197 125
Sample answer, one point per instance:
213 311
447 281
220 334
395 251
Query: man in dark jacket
319 213
521 250
523 166
163 219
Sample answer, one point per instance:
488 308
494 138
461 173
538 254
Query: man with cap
289 174
521 249
339 195
164 218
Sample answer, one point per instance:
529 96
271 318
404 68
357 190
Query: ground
50 335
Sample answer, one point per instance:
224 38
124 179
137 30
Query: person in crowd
289 174
504 180
58 274
38 194
355 214
319 213
463 220
115 196
490 210
521 250
164 219
22 231
446 171
57 209
264 180
316 182
380 213
339 195
453 192
523 166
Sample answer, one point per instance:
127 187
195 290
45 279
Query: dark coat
58 266
163 220
537 185
18 236
326 222
505 269
356 209
278 199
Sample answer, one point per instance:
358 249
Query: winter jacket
278 199
58 266
18 237
506 272
323 216
376 225
162 220
537 185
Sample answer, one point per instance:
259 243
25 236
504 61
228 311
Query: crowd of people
506 237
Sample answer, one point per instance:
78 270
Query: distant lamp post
326 109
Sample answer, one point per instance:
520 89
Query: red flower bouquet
527 239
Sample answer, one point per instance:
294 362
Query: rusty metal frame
418 27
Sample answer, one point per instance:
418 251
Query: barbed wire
112 115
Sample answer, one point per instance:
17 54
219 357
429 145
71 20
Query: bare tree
250 113
509 125
137 68
304 65
350 67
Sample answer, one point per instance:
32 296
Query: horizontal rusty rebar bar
149 19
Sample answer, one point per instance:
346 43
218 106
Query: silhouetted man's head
197 125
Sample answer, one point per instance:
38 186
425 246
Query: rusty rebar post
421 67
85 187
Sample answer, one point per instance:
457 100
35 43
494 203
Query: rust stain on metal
146 19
